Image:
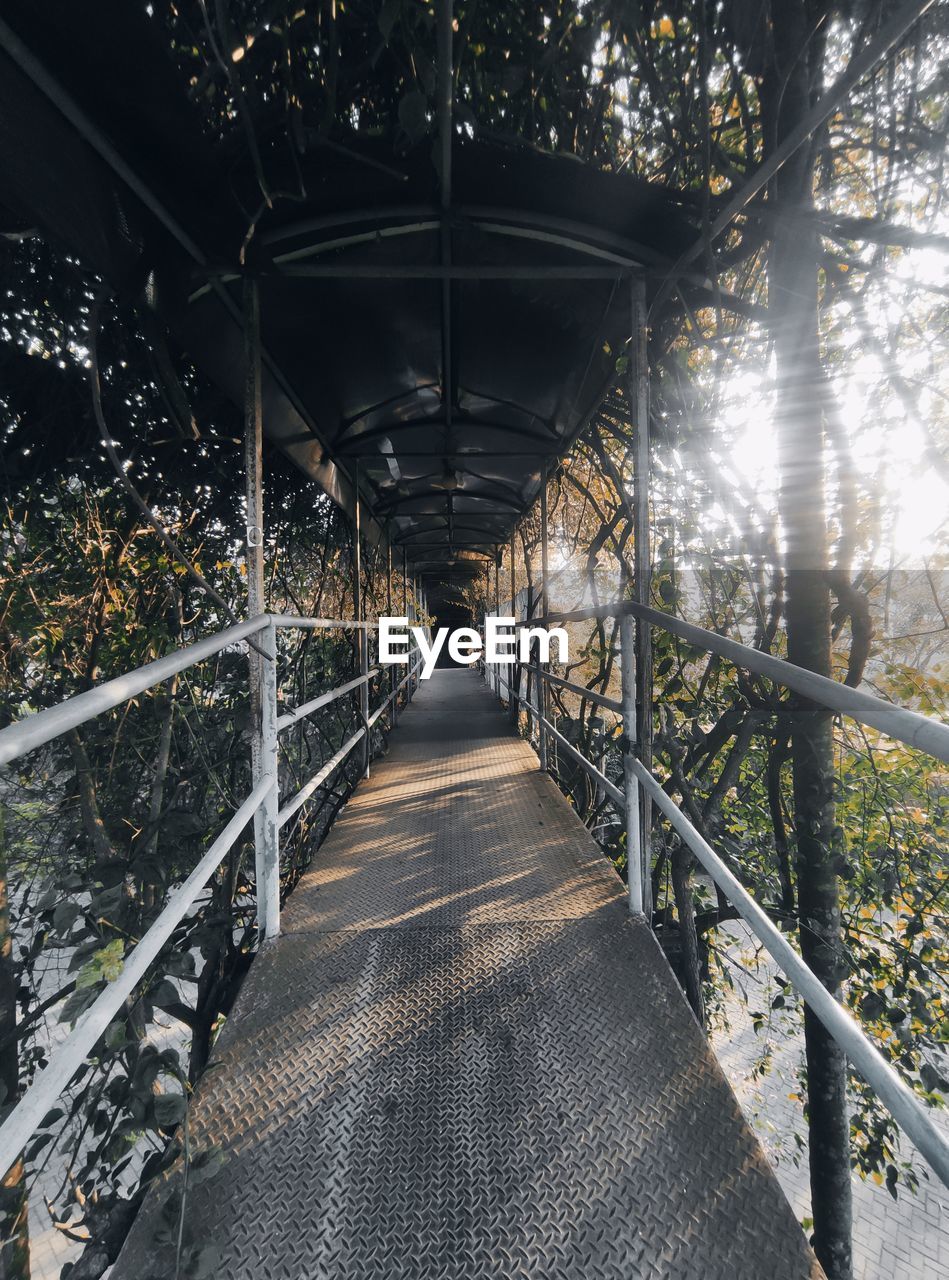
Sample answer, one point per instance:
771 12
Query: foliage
99 827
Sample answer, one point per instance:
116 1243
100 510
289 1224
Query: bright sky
890 456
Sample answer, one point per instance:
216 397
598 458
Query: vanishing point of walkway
463 1059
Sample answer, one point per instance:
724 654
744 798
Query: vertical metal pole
263 671
484 621
393 670
423 602
497 614
267 826
638 395
362 634
514 671
544 607
405 614
634 846
417 614
599 795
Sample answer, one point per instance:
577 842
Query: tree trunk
682 863
14 1218
793 305
88 800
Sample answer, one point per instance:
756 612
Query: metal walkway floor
463 1060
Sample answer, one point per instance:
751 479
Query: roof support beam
443 271
424 494
469 453
393 428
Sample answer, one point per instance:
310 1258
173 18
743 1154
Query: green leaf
932 1081
872 1006
65 916
78 1003
413 115
164 993
169 1109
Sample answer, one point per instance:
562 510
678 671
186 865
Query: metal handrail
591 695
26 1116
903 1104
40 727
324 699
320 624
596 774
907 726
307 790
43 726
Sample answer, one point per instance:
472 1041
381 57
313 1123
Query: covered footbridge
460 1051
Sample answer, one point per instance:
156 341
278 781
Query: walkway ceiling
435 332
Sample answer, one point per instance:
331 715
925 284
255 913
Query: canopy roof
436 326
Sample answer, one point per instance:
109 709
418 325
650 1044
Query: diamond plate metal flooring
464 1061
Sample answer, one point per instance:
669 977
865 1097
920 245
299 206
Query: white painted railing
42 727
906 726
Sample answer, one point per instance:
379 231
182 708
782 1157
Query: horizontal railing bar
434 271
922 732
42 726
600 778
320 624
396 691
610 788
306 791
69 1056
599 698
301 797
898 1097
307 709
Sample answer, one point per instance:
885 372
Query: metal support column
497 614
393 670
514 671
405 613
638 395
634 844
263 670
362 634
417 618
544 607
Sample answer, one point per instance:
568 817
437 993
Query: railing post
393 670
544 607
514 674
638 398
405 614
262 670
413 614
497 614
363 633
364 688
634 852
266 825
